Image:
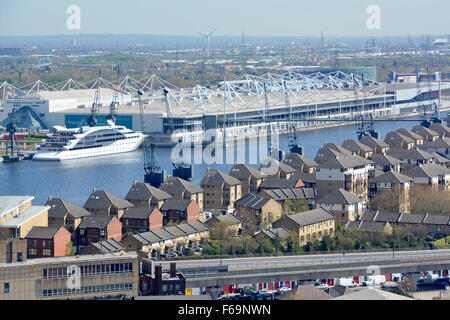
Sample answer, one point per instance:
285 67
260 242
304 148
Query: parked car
173 254
284 289
441 283
198 248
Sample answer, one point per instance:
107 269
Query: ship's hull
117 147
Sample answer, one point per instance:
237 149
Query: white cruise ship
65 144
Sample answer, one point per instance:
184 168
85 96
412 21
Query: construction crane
180 169
278 154
92 120
364 122
154 175
291 132
114 103
12 147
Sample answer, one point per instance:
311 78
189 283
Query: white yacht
65 144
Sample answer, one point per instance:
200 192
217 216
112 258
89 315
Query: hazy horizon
258 18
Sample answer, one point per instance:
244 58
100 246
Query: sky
231 17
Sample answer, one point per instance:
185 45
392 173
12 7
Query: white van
374 280
346 282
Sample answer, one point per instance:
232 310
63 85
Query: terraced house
300 163
308 225
256 209
184 190
65 213
103 203
250 178
143 195
221 190
166 239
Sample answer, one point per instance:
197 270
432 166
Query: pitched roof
270 166
440 128
275 183
290 193
393 136
305 177
252 200
98 222
410 134
356 146
424 131
440 159
439 219
368 216
60 207
280 233
176 204
366 226
386 217
391 177
25 216
144 191
309 217
373 142
214 177
43 232
308 292
100 199
340 197
411 154
243 171
411 218
345 162
441 142
428 170
296 160
139 213
176 185
170 233
110 245
372 294
383 159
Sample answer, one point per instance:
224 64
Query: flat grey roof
8 203
73 259
25 216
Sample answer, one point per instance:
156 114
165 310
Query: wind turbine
208 38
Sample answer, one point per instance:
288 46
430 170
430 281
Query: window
19 256
46 252
81 231
43 243
102 232
6 287
31 252
164 288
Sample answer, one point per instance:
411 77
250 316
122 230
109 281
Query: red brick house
47 242
98 228
175 210
138 220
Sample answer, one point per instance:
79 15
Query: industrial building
242 106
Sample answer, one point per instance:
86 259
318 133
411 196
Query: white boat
75 143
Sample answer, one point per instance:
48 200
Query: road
299 260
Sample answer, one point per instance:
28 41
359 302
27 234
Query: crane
12 146
92 120
114 103
154 175
364 122
180 169
291 133
278 153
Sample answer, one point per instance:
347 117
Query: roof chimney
173 269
